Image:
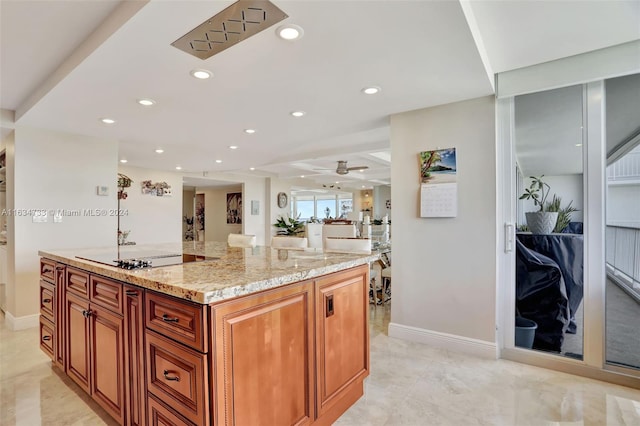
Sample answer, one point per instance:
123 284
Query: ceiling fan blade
358 168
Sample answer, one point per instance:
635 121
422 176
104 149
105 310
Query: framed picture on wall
234 207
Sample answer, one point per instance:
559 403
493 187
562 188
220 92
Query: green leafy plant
538 191
289 225
564 214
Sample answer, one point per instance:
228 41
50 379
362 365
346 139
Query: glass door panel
549 139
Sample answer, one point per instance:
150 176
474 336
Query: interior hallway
410 384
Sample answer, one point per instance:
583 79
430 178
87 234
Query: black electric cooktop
144 259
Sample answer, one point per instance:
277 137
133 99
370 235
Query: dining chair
241 240
289 243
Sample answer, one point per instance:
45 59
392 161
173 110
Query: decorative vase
541 222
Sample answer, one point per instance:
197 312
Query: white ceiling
422 53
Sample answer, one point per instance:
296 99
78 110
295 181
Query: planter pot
541 222
525 332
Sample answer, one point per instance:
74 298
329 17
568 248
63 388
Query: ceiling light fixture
178 168
249 131
252 168
146 102
372 90
108 120
578 144
302 176
298 114
201 74
290 32
218 161
123 161
233 147
159 150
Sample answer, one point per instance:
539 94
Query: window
322 206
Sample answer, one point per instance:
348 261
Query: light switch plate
57 218
102 190
40 217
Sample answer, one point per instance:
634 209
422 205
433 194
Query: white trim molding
21 323
467 345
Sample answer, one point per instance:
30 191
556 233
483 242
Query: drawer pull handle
46 300
166 376
46 337
166 318
59 268
131 293
87 314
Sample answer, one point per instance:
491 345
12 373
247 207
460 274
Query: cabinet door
264 358
59 318
107 360
77 340
134 356
342 335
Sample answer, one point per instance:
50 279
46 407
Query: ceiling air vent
237 22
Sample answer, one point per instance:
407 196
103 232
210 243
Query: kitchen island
228 336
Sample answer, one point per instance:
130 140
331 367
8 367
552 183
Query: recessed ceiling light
146 102
337 182
201 74
298 113
302 176
178 168
218 161
159 150
290 32
108 120
123 161
372 90
363 186
578 144
250 131
252 168
233 147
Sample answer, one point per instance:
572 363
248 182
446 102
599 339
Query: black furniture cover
541 296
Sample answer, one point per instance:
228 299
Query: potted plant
289 226
564 213
542 221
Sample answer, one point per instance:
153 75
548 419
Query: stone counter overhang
236 271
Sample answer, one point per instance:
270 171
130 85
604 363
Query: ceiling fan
342 168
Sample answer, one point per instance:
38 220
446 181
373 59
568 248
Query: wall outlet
57 218
40 217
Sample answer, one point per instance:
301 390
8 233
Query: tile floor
410 384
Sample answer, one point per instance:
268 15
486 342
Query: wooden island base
291 355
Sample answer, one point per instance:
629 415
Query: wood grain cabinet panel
106 293
60 275
135 386
161 415
48 301
342 335
180 320
47 270
264 353
47 337
107 360
77 361
77 282
178 376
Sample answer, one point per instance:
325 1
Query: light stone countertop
236 272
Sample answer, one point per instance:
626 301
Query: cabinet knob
46 300
87 314
167 318
166 376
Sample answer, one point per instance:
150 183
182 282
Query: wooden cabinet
161 415
342 335
95 345
60 280
51 311
135 390
264 353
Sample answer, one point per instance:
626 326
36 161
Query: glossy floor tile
410 384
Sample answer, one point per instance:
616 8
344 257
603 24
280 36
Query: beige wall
53 170
152 219
444 270
273 187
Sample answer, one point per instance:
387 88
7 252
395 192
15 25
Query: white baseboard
467 345
21 323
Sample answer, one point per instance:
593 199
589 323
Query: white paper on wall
439 200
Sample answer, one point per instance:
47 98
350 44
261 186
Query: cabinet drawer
47 337
78 282
47 300
177 375
161 415
179 320
48 270
106 293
